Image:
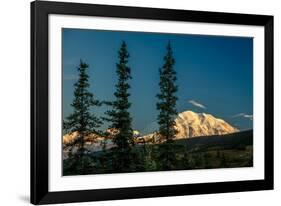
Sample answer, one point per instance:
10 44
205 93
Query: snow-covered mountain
188 124
191 124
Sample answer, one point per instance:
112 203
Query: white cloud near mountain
248 116
197 104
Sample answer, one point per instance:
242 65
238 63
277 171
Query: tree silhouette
82 120
167 98
167 110
119 116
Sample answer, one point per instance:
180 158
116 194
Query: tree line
124 157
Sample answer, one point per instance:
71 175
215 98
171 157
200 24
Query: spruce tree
82 120
119 116
167 110
167 98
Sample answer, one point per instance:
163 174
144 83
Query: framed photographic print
131 102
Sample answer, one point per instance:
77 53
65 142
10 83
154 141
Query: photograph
148 102
138 101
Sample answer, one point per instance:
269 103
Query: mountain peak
188 124
192 124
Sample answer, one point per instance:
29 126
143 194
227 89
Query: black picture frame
39 102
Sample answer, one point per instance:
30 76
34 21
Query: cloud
238 115
197 104
248 116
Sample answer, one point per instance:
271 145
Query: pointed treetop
169 47
83 64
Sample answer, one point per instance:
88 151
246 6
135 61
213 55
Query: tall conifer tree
82 120
119 116
167 98
167 110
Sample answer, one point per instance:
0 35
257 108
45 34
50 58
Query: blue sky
215 73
